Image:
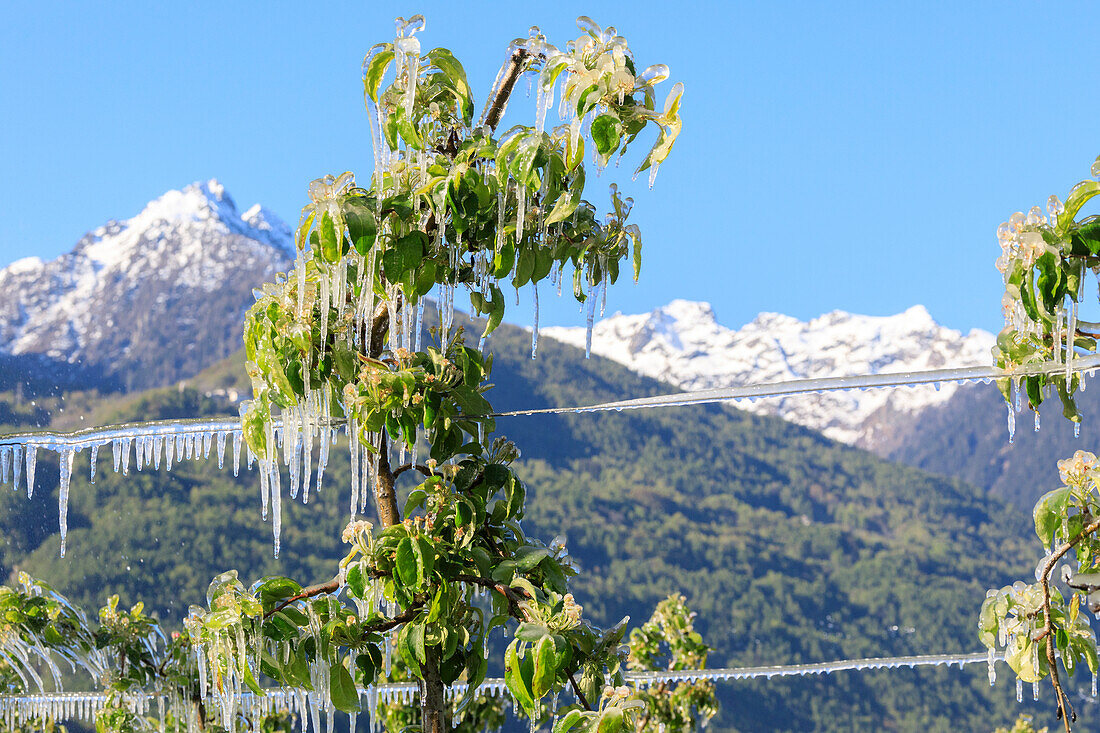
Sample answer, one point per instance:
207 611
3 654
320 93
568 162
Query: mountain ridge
174 279
684 344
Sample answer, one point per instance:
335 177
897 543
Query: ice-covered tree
452 204
1046 258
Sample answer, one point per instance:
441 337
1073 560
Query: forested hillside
791 547
968 437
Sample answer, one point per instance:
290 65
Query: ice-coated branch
503 90
1065 710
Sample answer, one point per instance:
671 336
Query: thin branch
500 101
404 617
309 592
514 596
1065 710
408 466
578 693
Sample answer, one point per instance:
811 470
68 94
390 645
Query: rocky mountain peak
175 278
683 343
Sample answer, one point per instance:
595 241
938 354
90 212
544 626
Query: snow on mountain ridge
179 273
683 343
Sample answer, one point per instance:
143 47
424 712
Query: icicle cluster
310 708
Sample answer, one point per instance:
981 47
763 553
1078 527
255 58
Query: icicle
1019 690
1059 314
5 460
1094 684
158 447
521 200
307 458
991 662
653 174
419 323
322 455
589 321
1011 424
324 300
116 453
16 467
410 50
293 444
65 462
93 456
544 101
1070 335
237 436
139 453
221 448
416 446
1035 690
535 322
603 298
353 451
169 452
276 507
1076 430
1016 388
126 456
300 271
1036 421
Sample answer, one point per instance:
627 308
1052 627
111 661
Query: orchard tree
451 204
1042 627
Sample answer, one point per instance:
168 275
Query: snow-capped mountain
147 300
683 343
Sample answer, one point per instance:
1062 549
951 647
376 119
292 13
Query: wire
86 704
97 436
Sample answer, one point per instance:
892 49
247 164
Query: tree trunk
432 707
432 702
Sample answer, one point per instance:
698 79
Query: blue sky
851 156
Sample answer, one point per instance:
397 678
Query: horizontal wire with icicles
85 705
177 440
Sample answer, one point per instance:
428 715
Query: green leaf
407 129
611 721
405 560
1077 198
356 582
545 667
416 642
330 248
529 556
513 678
1048 513
367 666
414 502
531 632
276 588
568 721
342 688
425 559
445 61
568 202
362 226
504 258
606 134
372 76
